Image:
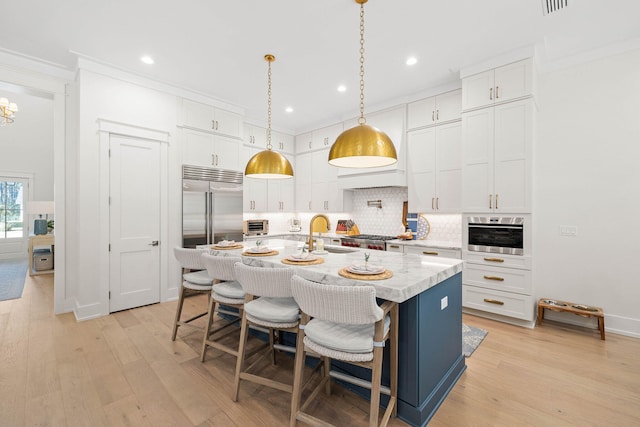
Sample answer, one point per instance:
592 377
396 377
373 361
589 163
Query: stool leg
178 312
540 314
207 331
376 378
298 373
244 333
601 327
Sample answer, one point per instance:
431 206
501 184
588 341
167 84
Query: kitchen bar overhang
430 333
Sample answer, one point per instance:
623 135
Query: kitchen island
429 292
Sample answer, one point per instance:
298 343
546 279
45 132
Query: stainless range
367 241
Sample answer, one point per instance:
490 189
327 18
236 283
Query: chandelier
362 146
7 110
269 164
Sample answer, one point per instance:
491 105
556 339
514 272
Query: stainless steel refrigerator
211 205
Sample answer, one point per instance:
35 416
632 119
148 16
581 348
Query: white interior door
134 211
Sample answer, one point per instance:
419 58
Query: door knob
154 243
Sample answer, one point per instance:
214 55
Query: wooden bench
570 307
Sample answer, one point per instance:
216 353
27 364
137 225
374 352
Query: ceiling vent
551 6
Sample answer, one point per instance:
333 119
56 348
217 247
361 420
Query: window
11 210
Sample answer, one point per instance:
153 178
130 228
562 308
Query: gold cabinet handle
395 246
499 279
497 95
437 203
491 94
493 301
493 259
213 124
433 113
490 201
496 201
432 205
437 114
430 253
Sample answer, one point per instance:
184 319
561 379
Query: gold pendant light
362 146
268 164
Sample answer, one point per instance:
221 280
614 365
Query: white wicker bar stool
274 309
195 280
344 323
226 291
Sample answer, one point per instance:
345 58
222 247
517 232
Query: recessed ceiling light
342 88
289 110
412 60
147 59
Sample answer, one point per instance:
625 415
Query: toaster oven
255 227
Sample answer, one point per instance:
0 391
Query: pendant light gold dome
362 146
268 164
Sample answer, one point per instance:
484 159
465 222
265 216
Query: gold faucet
326 218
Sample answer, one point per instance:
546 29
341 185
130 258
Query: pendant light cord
362 120
269 106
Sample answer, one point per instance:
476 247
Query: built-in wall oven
500 235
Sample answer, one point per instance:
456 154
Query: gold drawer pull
493 259
499 279
394 246
430 253
493 301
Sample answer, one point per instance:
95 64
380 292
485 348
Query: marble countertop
412 274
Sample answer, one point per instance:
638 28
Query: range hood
394 178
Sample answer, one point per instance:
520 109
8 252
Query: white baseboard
87 312
499 318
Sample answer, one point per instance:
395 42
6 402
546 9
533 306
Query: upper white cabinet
502 84
206 117
206 149
325 137
496 150
282 142
303 143
435 110
435 168
255 136
316 184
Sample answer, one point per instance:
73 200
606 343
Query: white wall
103 97
586 174
27 144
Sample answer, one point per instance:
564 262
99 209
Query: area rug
13 273
471 338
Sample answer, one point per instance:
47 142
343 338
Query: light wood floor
123 370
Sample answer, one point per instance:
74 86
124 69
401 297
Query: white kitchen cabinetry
391 122
316 186
435 168
255 136
281 192
496 152
303 183
206 149
254 190
395 247
325 137
431 251
434 110
282 142
206 117
498 284
503 84
303 143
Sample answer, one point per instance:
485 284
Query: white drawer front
500 279
503 303
394 247
497 260
432 252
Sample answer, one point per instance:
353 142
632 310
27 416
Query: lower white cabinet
395 247
498 302
498 284
433 251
